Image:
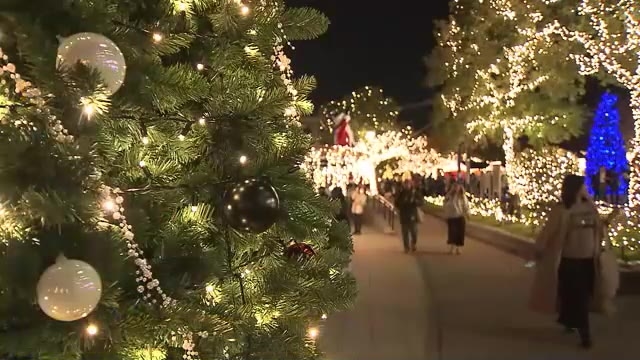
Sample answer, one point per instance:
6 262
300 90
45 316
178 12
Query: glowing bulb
142 163
200 67
182 6
181 137
202 121
313 333
243 159
109 205
157 37
89 109
145 140
209 289
324 317
244 10
194 208
92 330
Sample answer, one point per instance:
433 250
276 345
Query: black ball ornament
252 206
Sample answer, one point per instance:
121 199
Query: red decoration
299 251
343 135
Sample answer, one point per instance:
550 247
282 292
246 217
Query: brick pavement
432 306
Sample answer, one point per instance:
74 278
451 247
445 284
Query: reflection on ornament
95 51
69 290
252 205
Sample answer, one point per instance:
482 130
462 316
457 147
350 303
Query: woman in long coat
568 249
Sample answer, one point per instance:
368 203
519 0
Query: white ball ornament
95 51
69 289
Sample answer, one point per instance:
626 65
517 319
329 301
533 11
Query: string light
142 163
157 37
194 208
202 121
313 333
91 330
145 140
109 205
200 67
244 10
243 159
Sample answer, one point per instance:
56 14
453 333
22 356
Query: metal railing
388 210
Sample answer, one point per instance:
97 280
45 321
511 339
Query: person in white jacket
456 211
358 202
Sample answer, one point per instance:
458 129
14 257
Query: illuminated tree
539 173
151 180
501 78
369 108
606 145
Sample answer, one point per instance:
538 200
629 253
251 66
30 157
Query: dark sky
371 42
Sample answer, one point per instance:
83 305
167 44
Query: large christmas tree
151 203
606 145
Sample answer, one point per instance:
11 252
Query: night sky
378 43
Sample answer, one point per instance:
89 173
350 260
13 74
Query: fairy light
89 109
157 37
313 333
142 163
368 105
202 121
194 208
181 137
109 205
244 10
243 159
200 67
336 166
145 140
92 330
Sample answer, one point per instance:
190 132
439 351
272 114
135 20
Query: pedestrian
566 251
343 211
358 202
456 211
407 202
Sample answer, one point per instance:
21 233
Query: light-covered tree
369 108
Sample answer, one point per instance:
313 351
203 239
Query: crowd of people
571 279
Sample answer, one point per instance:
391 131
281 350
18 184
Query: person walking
407 202
358 202
343 211
456 211
567 251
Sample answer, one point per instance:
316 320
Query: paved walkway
432 306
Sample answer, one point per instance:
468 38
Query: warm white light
194 208
142 163
182 6
243 159
370 135
145 140
244 10
209 289
89 109
313 333
181 137
200 67
324 317
157 37
109 205
202 121
92 330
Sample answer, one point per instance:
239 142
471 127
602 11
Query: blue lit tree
606 145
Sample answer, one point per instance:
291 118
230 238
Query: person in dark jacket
407 203
343 212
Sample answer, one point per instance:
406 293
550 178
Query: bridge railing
387 209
